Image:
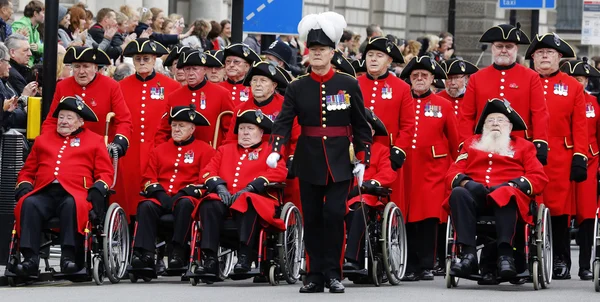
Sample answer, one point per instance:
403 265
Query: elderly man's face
22 53
504 53
377 61
546 58
262 87
194 75
236 67
216 74
144 64
497 124
249 135
455 84
421 80
84 73
178 74
182 131
68 121
320 56
582 80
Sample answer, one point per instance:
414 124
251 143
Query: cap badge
245 51
259 116
79 103
507 105
462 66
518 35
587 68
192 115
202 58
153 45
272 45
556 40
272 70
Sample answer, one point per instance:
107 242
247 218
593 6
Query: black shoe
487 278
211 266
426 275
243 264
312 287
410 277
68 266
585 274
466 266
145 260
335 286
177 257
439 270
506 267
160 267
351 265
560 270
27 268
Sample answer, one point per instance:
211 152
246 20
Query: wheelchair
385 245
280 254
595 251
537 248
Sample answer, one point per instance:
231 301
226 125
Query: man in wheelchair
67 175
236 181
495 173
170 187
379 173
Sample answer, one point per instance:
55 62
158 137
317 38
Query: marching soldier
390 99
216 74
567 134
506 79
458 72
238 58
145 93
331 115
169 186
50 184
433 149
171 63
586 192
210 99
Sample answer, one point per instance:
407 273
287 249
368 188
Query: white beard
495 142
458 93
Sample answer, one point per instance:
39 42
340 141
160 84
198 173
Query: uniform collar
193 88
550 75
148 78
323 78
74 133
185 142
253 146
230 81
422 96
265 102
90 83
383 76
498 67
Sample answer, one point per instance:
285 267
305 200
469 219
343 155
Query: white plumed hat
322 29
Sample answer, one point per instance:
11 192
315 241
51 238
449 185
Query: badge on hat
272 70
272 45
79 102
556 40
202 57
245 51
462 66
388 46
586 67
259 116
507 105
518 35
192 115
153 45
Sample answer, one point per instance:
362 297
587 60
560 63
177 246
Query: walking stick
483 49
112 148
218 126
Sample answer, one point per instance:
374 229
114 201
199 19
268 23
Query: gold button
324 126
324 137
324 119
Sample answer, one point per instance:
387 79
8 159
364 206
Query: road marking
258 9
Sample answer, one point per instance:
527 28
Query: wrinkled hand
273 159
476 189
23 31
109 33
224 194
33 47
130 38
30 89
359 173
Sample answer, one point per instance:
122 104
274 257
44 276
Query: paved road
170 289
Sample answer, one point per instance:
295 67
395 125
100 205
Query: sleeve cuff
191 190
213 182
122 140
458 179
151 189
260 184
397 151
277 143
523 184
101 186
23 182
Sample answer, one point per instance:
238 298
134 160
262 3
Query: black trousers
248 227
355 224
465 209
421 239
51 201
561 239
324 208
148 217
585 239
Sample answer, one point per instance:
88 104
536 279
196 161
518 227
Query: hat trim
240 44
505 37
491 100
84 104
243 112
277 68
540 38
83 52
457 61
188 109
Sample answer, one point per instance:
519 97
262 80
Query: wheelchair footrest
360 272
250 274
142 272
175 271
473 277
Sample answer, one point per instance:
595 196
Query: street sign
590 23
272 17
527 4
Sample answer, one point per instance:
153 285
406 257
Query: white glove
359 172
273 159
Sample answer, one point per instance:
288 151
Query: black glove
397 158
476 189
97 200
121 144
542 152
165 201
353 193
578 168
224 194
22 190
249 188
290 174
369 186
504 184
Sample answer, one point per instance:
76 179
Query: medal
75 142
153 93
340 100
427 110
328 102
244 94
253 155
161 93
188 157
589 111
202 101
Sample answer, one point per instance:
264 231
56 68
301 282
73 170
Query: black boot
142 259
67 260
351 265
560 270
336 287
27 268
177 257
426 275
585 274
466 266
506 267
210 265
243 264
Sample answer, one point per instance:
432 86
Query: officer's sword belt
335 131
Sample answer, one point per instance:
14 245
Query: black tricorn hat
579 68
243 51
550 40
342 64
187 114
500 106
255 117
77 105
275 73
281 51
386 46
217 54
81 54
505 33
359 66
439 84
196 58
174 55
424 63
144 46
458 66
376 123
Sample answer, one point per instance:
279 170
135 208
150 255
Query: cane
218 126
483 49
112 148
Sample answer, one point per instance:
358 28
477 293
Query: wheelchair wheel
596 241
451 281
116 243
273 275
543 235
98 271
393 243
225 263
194 281
596 269
290 243
133 278
376 272
537 277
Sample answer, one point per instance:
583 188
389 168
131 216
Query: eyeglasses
545 52
142 59
6 61
234 62
452 79
504 46
499 120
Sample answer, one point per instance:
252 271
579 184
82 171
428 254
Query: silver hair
12 42
122 71
3 51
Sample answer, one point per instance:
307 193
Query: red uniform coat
77 162
236 167
175 166
491 169
146 100
210 99
455 101
237 92
433 148
586 195
519 85
567 135
379 173
390 99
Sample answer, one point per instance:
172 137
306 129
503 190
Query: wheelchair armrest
381 191
276 185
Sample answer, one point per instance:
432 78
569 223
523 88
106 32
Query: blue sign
527 4
273 17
